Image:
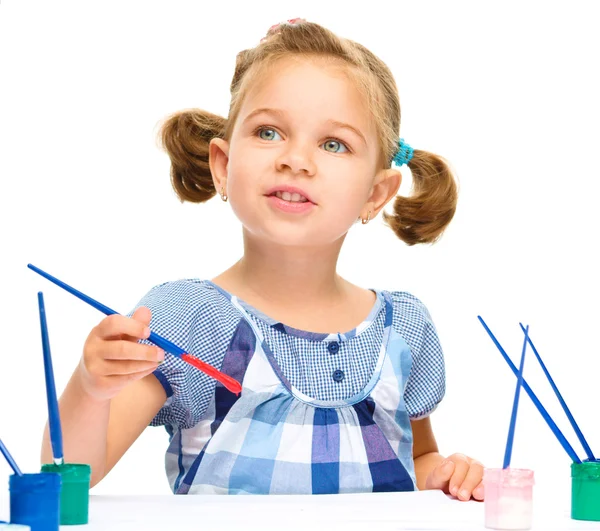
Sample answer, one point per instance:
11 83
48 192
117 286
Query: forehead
309 90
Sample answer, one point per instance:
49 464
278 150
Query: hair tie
290 22
404 153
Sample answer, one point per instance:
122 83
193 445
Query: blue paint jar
35 500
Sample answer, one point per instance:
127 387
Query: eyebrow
280 114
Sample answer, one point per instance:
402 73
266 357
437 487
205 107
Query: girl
338 381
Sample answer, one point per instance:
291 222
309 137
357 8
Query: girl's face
302 156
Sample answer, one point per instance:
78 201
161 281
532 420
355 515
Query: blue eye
261 131
332 143
335 143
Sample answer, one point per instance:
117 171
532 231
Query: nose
298 158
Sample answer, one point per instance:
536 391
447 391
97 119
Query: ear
218 160
386 186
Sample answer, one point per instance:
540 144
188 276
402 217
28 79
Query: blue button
338 375
333 347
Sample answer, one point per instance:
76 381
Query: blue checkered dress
318 413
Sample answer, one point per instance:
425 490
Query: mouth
289 194
292 198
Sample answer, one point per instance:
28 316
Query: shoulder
187 290
187 301
408 307
412 320
184 294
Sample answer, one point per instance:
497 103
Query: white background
507 91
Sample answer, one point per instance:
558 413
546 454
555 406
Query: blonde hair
186 135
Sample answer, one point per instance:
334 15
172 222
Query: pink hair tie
290 22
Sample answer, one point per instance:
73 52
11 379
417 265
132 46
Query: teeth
293 198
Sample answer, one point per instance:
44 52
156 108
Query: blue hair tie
404 153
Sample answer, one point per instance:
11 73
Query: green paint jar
75 492
585 491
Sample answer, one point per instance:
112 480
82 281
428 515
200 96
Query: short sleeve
426 383
181 313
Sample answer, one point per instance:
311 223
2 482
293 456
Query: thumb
440 476
143 315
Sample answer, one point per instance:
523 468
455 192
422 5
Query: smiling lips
294 198
290 199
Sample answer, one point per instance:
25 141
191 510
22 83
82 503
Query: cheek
247 166
243 192
350 186
239 178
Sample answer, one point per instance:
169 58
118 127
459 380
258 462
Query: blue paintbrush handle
580 436
159 341
546 416
9 459
166 345
513 416
99 306
53 412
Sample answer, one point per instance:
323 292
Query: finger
119 381
136 375
129 351
440 476
122 368
143 315
116 326
472 481
461 469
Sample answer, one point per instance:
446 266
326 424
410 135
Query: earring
222 192
365 221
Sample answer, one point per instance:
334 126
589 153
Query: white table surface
428 510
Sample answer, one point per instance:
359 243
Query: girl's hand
112 356
458 475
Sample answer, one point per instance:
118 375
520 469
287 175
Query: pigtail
422 217
185 136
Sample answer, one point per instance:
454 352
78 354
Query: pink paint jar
508 498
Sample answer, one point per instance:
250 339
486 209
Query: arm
425 450
111 397
458 474
99 432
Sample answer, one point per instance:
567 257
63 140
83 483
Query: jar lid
70 470
509 477
42 482
586 470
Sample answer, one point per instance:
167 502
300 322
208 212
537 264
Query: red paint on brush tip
230 383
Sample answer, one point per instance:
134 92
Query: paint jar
508 498
75 493
35 500
585 491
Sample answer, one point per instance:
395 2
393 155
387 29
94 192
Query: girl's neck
286 275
